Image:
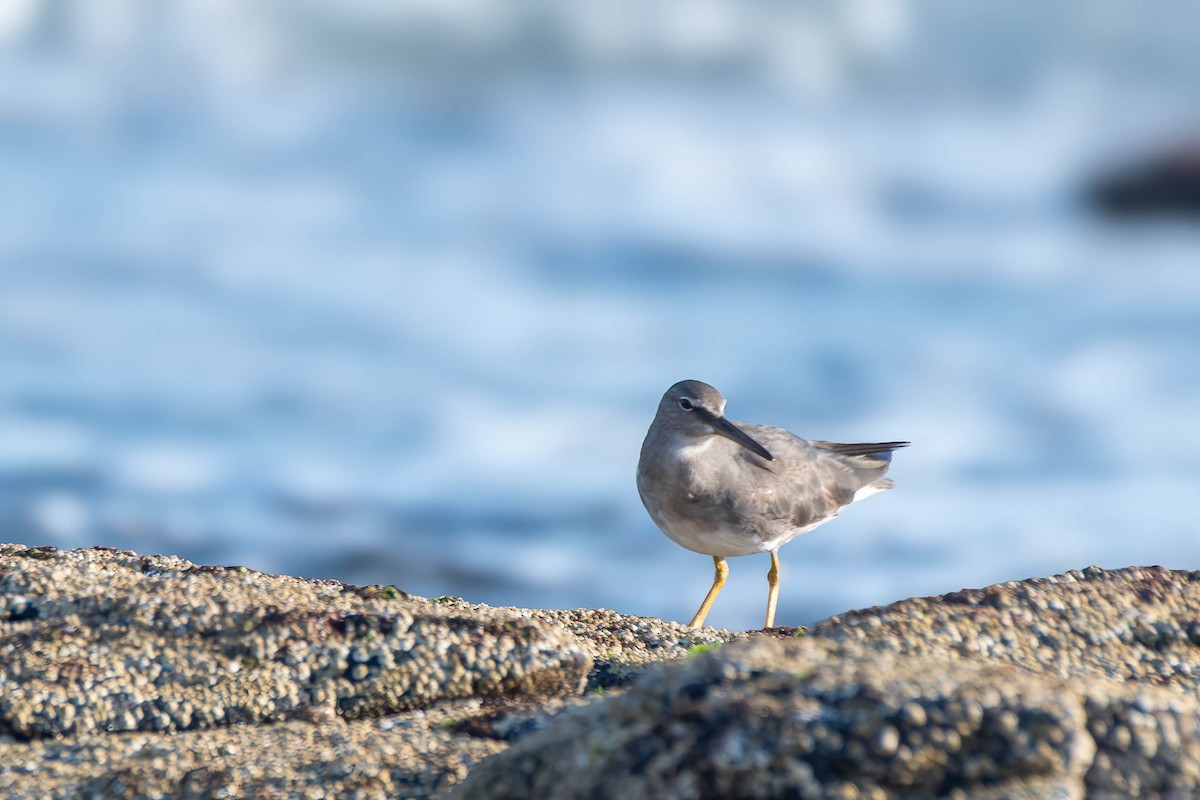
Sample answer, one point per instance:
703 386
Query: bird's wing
813 479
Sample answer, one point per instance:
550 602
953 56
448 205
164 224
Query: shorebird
727 488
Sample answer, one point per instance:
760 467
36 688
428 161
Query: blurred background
388 293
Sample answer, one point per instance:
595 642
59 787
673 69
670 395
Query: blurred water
390 295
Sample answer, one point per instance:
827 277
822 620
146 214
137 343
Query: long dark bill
725 428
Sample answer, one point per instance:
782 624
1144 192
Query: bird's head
694 409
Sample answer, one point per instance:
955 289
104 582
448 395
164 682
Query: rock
100 640
1078 685
1136 624
367 758
1148 742
622 646
806 718
149 677
227 682
1164 184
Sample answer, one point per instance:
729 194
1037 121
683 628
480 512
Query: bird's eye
685 404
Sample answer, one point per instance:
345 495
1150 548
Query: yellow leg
718 582
772 589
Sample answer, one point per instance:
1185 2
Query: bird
726 488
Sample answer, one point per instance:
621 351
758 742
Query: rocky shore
124 675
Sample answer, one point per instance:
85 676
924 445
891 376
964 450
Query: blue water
279 287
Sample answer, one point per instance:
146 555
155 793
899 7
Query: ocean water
390 296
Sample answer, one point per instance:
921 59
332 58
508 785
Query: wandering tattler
732 489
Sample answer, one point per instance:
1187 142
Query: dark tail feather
879 450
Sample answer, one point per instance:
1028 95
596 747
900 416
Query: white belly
725 540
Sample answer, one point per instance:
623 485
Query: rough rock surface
124 675
98 640
147 677
1072 686
622 646
407 755
1136 624
808 719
